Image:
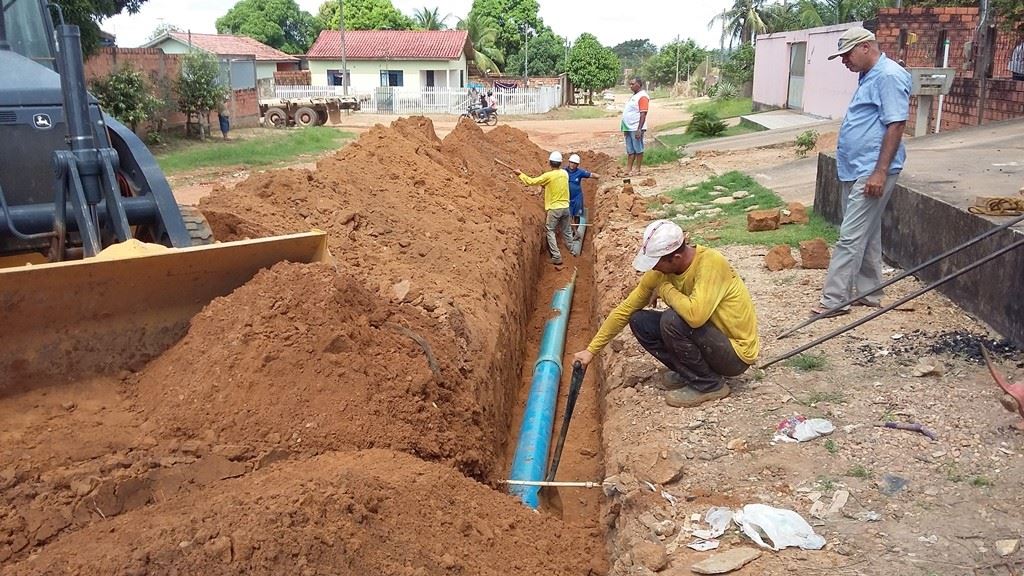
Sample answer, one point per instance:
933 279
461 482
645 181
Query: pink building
791 70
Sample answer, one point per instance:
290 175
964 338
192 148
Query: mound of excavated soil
355 513
432 231
305 358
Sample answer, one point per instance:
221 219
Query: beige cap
851 38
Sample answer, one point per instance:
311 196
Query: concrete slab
763 138
781 119
927 216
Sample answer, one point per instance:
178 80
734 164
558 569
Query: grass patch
859 471
807 362
655 156
953 473
659 93
826 397
270 147
981 482
720 225
831 447
825 484
680 140
670 126
725 108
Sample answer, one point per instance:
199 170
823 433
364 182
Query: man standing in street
634 123
869 158
709 330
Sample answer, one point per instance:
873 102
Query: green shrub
706 123
726 91
126 96
805 142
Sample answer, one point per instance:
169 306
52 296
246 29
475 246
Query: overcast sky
612 21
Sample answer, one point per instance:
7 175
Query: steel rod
899 302
895 279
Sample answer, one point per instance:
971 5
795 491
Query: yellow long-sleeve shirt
556 187
709 290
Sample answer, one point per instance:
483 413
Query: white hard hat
660 238
555 156
575 158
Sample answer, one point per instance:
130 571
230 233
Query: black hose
10 222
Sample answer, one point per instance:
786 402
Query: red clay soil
354 513
222 454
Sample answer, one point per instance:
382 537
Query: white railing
404 101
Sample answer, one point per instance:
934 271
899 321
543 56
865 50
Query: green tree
125 95
742 22
592 66
482 35
198 87
739 68
511 19
365 15
277 23
161 29
661 68
87 15
430 19
633 53
547 56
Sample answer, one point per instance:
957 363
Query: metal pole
344 62
677 59
895 304
942 97
906 273
526 58
983 60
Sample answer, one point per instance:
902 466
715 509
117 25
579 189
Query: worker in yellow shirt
556 204
709 330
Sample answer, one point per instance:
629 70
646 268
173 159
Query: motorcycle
473 111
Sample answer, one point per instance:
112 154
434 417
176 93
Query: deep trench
582 457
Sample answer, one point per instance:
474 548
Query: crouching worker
709 330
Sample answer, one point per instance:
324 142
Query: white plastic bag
782 528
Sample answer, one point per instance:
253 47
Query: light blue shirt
882 97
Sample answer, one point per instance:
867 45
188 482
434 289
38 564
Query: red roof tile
390 45
227 45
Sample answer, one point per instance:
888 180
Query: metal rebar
895 279
895 304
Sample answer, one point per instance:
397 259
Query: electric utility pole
344 63
677 59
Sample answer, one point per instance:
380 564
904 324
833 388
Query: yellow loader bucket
69 319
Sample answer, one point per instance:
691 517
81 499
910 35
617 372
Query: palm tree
781 16
742 21
483 35
825 12
427 19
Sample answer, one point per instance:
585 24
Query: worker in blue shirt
576 176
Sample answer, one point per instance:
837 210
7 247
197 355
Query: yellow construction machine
75 182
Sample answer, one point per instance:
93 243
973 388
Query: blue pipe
581 228
531 459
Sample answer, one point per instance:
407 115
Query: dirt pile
306 359
342 513
430 232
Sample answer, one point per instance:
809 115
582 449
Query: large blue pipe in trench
531 459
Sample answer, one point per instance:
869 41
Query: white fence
402 101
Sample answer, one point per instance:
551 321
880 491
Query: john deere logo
42 121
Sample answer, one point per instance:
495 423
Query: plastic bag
777 528
801 429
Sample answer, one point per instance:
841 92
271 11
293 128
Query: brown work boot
671 381
689 398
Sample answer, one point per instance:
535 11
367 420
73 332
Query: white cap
575 158
660 238
555 156
850 39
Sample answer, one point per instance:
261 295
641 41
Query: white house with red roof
249 58
410 59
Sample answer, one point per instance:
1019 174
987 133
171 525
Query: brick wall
293 78
161 70
1005 97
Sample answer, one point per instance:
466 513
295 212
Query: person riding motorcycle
488 105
